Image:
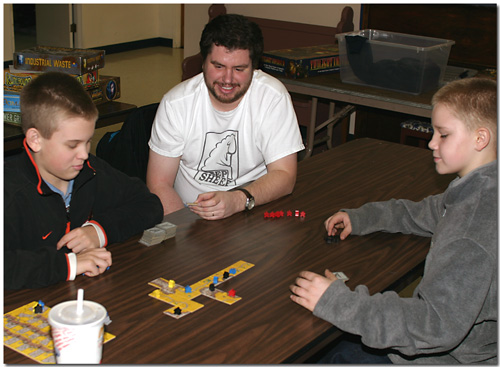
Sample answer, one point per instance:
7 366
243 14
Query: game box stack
84 64
302 62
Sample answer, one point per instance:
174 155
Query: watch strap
248 195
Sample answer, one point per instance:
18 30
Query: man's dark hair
234 32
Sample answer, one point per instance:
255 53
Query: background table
330 87
265 326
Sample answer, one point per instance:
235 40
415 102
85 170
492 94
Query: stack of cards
158 234
341 276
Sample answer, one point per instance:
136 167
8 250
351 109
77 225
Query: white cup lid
66 313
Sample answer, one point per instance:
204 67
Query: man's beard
227 98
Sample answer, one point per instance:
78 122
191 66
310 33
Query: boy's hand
337 221
93 262
80 239
309 287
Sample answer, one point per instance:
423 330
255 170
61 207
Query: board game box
109 87
13 118
67 60
17 79
302 62
11 101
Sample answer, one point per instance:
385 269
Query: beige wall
196 16
108 24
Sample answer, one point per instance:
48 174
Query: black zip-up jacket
35 218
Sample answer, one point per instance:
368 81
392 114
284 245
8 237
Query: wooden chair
192 65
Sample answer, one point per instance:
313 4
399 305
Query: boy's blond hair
51 97
473 101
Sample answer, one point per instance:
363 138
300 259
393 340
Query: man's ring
213 214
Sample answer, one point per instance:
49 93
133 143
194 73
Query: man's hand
93 262
80 239
219 204
309 287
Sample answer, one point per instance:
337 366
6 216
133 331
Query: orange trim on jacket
28 151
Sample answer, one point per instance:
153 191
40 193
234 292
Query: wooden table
330 87
110 113
265 326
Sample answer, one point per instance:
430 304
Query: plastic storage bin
395 61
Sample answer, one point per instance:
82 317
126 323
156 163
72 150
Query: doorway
43 25
24 25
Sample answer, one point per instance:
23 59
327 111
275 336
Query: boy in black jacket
62 206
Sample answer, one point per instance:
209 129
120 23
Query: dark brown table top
265 326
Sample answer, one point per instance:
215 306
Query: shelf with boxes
84 64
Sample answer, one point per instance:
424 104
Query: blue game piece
232 271
216 280
188 289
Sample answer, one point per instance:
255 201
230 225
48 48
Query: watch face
250 203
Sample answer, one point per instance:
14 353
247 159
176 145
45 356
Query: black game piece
38 308
332 239
225 275
211 287
177 311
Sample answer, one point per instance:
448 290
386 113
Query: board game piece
39 308
179 298
289 213
216 280
332 239
187 289
28 333
297 213
231 293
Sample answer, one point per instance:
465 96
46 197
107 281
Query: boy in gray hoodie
452 316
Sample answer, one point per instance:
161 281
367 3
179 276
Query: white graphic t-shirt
222 150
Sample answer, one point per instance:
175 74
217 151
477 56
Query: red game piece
289 213
231 293
266 215
302 214
296 213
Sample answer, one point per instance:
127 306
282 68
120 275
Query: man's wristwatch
250 199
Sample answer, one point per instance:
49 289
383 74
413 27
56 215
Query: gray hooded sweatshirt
452 316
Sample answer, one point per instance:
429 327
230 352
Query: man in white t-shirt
228 127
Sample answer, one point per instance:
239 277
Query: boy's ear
33 139
483 137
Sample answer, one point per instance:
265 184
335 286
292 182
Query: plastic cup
77 331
